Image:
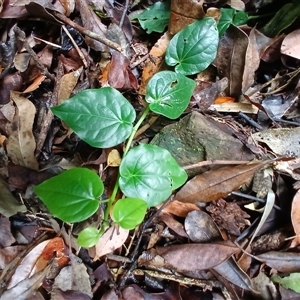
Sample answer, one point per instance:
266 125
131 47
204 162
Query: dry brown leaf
119 75
201 228
180 209
216 184
114 158
285 262
251 63
183 13
185 258
93 23
230 60
21 143
67 84
36 83
291 44
155 61
295 216
73 277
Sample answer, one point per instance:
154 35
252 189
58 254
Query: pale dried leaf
291 44
282 141
26 288
66 85
112 239
21 143
295 216
28 265
113 158
74 277
251 63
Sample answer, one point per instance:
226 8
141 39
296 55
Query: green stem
135 129
116 187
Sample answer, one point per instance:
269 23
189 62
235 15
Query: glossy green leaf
101 117
231 16
194 48
284 17
156 17
88 237
226 19
169 93
150 173
240 18
129 212
73 195
291 282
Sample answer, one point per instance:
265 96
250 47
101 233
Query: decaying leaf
119 75
230 60
113 158
185 258
201 228
183 13
9 206
282 141
285 262
21 143
252 62
92 22
112 239
216 184
295 216
291 44
155 61
73 277
67 84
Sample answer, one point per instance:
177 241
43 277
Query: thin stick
75 46
89 33
124 13
216 162
22 37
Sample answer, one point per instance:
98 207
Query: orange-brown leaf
216 184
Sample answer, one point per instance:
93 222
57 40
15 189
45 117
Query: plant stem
112 198
135 128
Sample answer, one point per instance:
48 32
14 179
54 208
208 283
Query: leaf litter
206 235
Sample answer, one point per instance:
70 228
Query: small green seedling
148 174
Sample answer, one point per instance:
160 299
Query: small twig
89 33
124 13
75 46
139 61
216 162
236 193
250 121
22 37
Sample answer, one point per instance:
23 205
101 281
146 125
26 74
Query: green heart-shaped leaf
194 48
129 212
88 237
231 16
73 195
156 17
150 173
101 117
169 93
